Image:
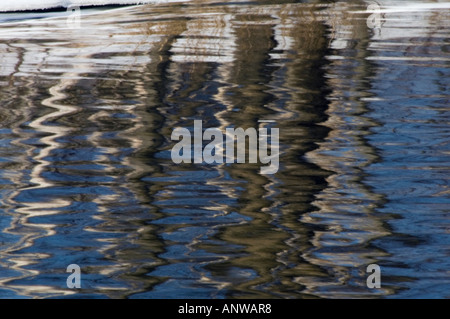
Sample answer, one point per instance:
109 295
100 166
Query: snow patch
30 5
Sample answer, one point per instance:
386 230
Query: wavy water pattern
86 175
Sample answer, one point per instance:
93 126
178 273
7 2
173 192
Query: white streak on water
27 5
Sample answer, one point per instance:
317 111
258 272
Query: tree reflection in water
86 176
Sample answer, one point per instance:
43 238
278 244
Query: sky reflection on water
86 176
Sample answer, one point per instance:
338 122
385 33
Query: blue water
86 177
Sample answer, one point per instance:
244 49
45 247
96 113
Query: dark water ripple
86 177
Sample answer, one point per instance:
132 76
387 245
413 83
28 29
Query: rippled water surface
361 100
